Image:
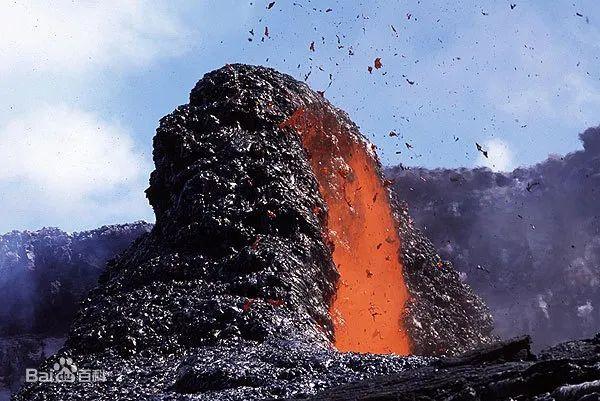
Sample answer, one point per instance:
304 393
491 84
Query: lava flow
368 307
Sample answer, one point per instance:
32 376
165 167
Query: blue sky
83 85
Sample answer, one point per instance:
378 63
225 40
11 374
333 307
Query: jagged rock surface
44 275
504 371
227 298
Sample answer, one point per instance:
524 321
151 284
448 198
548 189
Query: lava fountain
368 307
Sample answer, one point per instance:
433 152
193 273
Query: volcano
279 265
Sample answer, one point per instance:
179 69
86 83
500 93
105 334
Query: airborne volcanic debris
228 296
480 149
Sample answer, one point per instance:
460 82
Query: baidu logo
65 371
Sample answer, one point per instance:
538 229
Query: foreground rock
228 297
504 371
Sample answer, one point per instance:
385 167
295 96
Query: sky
83 85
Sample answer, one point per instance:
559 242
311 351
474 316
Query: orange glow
369 304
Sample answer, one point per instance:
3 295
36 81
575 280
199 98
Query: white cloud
63 165
499 158
585 311
59 165
66 36
66 150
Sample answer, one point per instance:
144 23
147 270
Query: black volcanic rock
228 296
503 371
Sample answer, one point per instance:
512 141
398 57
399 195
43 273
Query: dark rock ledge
503 371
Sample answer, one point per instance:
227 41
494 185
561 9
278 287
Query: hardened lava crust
228 297
499 372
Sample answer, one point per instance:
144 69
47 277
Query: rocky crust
503 371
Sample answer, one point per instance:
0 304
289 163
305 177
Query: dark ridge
504 371
527 241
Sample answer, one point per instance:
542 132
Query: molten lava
368 307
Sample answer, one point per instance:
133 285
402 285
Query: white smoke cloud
585 311
61 165
499 156
65 36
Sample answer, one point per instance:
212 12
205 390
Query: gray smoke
44 274
527 241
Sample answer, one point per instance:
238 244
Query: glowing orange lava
369 304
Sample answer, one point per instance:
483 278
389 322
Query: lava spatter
368 307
